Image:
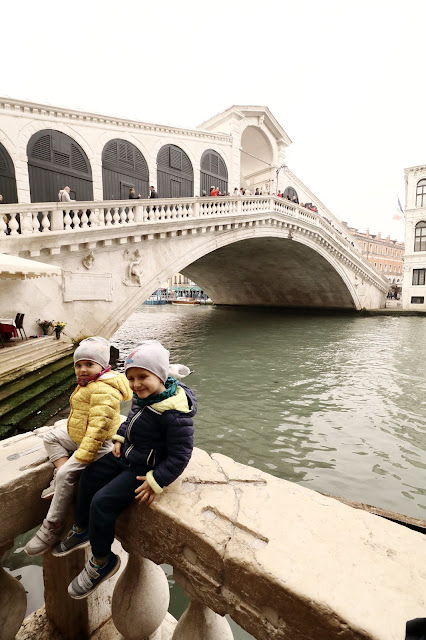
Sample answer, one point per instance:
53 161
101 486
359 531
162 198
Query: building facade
414 294
386 255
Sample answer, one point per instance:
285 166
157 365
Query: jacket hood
119 382
184 401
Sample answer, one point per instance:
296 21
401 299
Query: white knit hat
152 356
96 349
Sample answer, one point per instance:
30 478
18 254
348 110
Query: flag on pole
400 211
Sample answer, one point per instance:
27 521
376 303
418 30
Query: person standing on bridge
64 195
152 192
94 419
152 448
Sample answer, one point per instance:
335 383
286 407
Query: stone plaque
87 286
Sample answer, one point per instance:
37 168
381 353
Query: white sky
344 78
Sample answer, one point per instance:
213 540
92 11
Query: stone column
201 623
141 599
13 601
76 619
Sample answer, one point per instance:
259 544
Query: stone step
11 388
23 397
38 410
23 359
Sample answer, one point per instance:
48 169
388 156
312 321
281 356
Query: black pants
106 488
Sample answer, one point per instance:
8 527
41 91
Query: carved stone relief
133 277
89 260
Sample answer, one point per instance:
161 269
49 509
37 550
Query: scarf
84 383
171 387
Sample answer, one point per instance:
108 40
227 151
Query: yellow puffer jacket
95 413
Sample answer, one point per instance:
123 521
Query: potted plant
58 328
45 326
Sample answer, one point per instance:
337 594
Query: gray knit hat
150 355
95 348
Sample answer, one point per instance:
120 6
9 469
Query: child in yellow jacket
93 420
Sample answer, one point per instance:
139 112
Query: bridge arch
175 174
213 171
257 158
7 177
262 267
55 159
123 167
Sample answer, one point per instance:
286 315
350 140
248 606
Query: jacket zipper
129 428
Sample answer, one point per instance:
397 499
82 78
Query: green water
332 402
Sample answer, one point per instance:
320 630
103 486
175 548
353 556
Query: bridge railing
283 561
38 219
34 218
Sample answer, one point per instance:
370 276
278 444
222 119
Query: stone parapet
284 561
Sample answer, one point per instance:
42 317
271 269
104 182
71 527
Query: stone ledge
284 561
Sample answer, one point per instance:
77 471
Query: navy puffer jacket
160 440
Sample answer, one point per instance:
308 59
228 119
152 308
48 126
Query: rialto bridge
242 251
113 252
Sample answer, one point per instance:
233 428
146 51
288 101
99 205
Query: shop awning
14 268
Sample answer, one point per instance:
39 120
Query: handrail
34 219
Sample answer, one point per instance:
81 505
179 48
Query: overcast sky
344 78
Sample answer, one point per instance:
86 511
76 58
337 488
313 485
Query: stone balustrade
283 561
35 218
49 225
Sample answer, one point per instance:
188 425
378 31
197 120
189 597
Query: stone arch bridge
256 250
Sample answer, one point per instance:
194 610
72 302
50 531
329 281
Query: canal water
333 402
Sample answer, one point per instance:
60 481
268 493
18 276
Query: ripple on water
335 402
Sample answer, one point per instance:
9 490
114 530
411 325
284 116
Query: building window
380 266
365 246
417 300
375 264
386 267
421 193
419 276
420 235
394 268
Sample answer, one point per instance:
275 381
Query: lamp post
283 166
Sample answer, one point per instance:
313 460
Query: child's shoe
48 493
92 576
73 540
46 537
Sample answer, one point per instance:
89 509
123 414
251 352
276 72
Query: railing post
239 207
140 600
199 621
13 602
57 220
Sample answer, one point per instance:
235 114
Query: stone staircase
36 379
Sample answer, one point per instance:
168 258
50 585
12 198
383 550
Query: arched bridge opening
268 271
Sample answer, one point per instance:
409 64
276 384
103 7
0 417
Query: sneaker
46 537
73 540
92 576
48 493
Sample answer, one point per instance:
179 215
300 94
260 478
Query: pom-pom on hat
150 355
96 349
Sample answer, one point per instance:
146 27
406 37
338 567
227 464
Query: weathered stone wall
284 561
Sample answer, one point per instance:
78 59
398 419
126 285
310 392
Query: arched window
7 177
421 193
175 176
123 168
213 172
420 236
54 161
292 194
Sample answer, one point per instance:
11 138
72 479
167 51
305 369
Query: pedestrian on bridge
64 195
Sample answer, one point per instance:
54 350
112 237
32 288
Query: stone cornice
31 109
421 168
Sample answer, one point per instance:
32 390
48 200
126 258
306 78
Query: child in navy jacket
153 446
